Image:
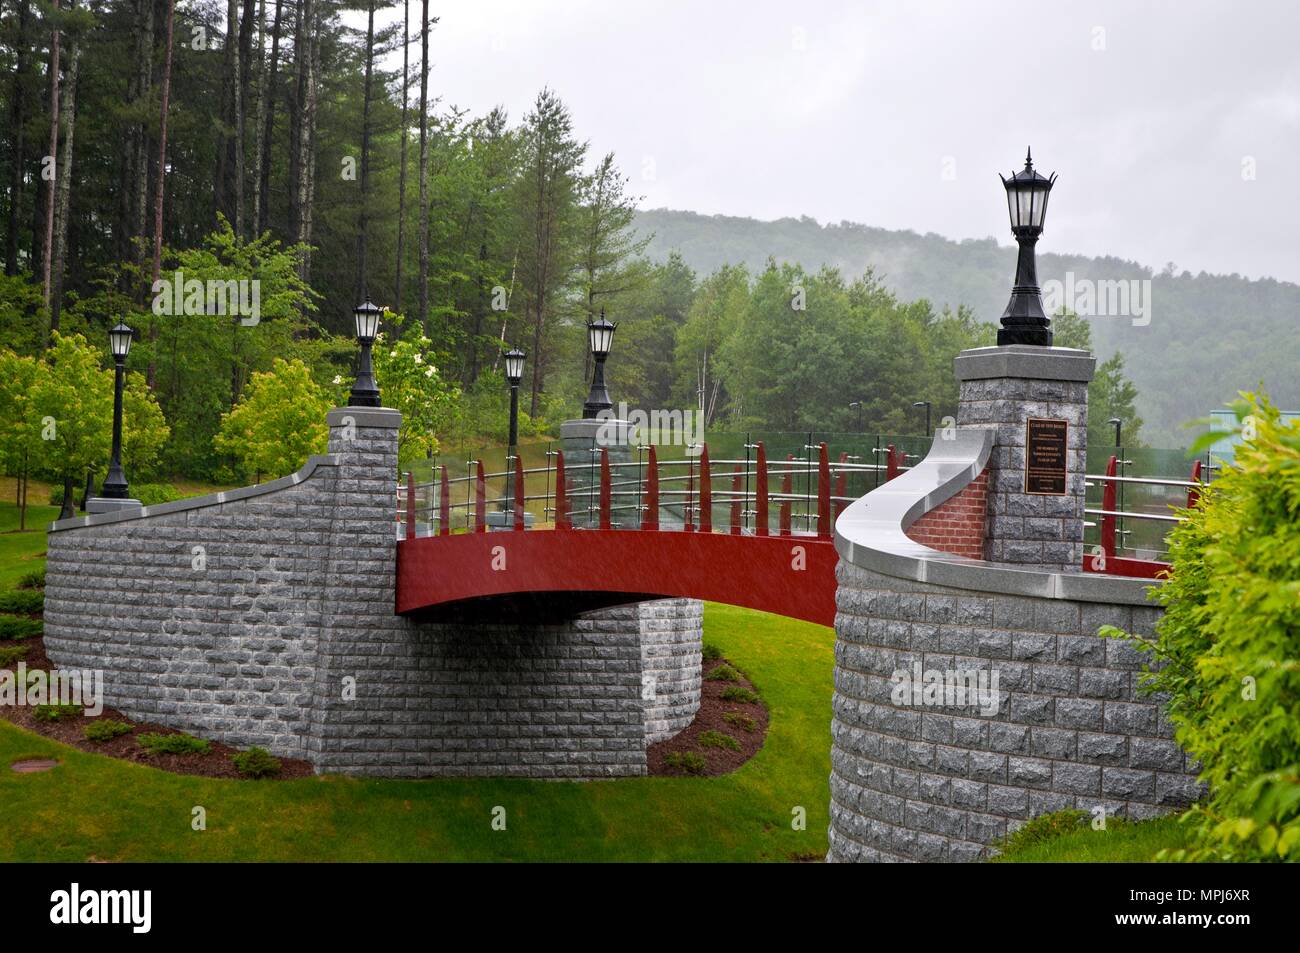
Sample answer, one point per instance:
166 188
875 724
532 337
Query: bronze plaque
1045 468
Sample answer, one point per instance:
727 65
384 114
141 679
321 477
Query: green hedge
1227 651
22 600
15 627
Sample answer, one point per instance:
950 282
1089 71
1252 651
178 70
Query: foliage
173 744
718 739
736 693
106 729
149 494
1226 653
278 423
723 673
710 652
22 600
1042 828
740 720
16 628
33 580
409 381
1111 395
256 763
688 761
56 712
1120 842
12 654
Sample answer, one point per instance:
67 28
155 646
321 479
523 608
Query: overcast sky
1174 126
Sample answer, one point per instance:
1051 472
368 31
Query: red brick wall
956 526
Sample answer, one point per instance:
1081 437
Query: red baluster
823 494
787 487
604 489
480 500
1194 493
760 493
651 519
410 506
688 524
891 463
841 484
561 494
1108 503
519 493
444 505
706 492
735 502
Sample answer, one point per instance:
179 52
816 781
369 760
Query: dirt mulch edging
710 718
215 763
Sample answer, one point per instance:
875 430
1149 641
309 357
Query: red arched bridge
748 532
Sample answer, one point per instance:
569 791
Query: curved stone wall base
942 782
671 658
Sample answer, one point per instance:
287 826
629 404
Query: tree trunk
244 73
140 135
424 168
17 120
363 217
401 175
63 189
259 120
306 50
268 125
51 157
69 508
160 189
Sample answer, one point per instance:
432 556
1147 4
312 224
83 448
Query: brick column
1002 388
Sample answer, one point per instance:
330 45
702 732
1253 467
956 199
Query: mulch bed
711 718
215 763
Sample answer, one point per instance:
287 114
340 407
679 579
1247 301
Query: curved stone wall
671 647
939 782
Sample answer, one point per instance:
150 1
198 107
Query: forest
277 144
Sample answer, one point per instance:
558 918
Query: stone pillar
582 441
1033 520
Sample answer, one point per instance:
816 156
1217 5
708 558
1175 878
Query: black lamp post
600 335
119 342
365 391
926 405
514 374
1024 321
857 405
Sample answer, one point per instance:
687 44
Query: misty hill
1208 337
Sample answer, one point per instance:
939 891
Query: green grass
1119 843
115 810
22 553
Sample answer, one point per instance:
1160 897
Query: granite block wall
264 616
913 781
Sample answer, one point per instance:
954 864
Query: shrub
10 655
723 673
740 720
711 653
735 693
16 628
149 494
1045 827
33 580
22 601
55 712
106 729
256 763
718 739
1226 653
173 744
687 761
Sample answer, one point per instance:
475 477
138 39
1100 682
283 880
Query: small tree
73 405
410 382
278 423
20 437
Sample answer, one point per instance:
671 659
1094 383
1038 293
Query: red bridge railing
1107 555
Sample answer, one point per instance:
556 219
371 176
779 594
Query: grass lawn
91 806
1117 844
21 553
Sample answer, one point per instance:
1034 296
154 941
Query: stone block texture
1023 528
915 782
957 526
268 620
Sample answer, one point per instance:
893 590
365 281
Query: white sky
849 110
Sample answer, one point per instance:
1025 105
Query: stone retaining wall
941 783
264 616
